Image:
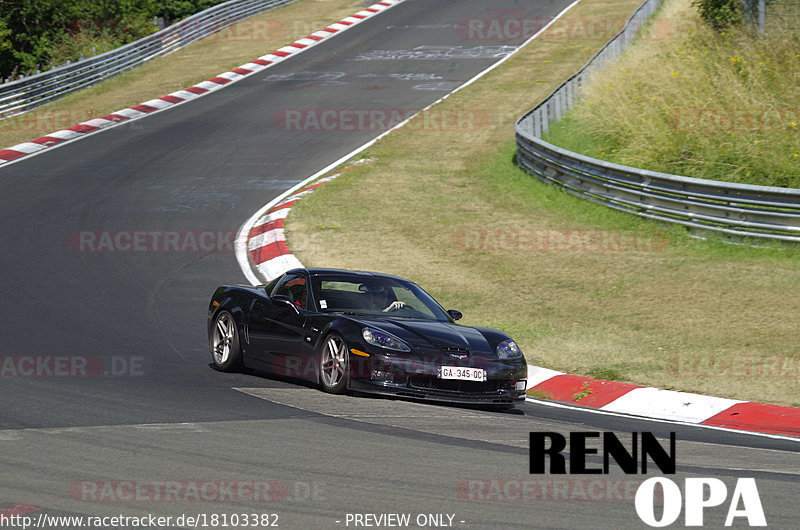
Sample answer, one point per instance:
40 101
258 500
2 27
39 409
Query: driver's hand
394 306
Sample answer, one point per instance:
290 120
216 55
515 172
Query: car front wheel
224 343
333 361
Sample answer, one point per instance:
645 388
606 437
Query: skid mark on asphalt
483 426
165 428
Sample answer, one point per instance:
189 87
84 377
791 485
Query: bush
719 13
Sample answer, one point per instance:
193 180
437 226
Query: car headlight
384 340
508 349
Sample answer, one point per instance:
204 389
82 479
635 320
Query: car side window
295 287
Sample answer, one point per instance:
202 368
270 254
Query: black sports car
366 332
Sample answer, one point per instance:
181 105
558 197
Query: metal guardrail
740 210
26 94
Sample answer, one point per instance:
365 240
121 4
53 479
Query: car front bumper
504 384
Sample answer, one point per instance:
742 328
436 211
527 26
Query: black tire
226 352
334 361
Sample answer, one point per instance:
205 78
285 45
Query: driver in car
394 306
381 295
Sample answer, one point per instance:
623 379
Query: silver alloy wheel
222 340
334 361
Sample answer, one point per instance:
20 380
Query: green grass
719 106
607 374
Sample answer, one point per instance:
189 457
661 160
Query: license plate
462 373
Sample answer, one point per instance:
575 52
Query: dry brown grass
697 103
199 61
628 313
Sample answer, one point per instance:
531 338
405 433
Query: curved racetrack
152 409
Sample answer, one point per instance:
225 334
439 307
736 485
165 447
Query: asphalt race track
106 374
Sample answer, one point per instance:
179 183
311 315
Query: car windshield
379 296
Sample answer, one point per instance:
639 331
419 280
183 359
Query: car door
279 329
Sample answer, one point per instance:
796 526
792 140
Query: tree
36 33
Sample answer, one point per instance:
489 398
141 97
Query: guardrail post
558 103
528 124
546 118
570 95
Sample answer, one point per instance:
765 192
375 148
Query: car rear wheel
224 343
333 361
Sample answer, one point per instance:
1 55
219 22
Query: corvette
364 332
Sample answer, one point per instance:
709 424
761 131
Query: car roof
316 271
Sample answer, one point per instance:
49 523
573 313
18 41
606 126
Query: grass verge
584 289
694 102
199 61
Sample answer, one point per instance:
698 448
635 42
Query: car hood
440 335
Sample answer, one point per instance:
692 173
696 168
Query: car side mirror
454 314
280 299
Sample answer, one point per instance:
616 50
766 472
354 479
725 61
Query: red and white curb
86 128
667 405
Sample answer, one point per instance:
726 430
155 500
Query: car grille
492 386
454 350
